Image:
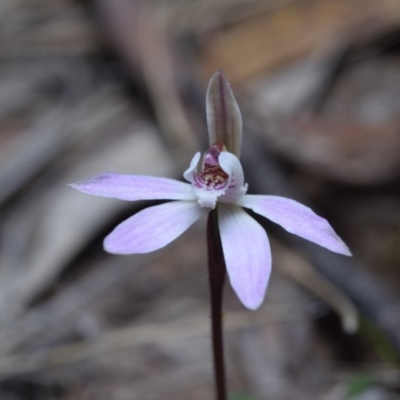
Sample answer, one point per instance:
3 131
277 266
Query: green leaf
359 384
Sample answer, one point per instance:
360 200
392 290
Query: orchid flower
215 180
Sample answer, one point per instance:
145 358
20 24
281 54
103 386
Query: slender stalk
216 268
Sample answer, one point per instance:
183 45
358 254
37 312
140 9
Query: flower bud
223 115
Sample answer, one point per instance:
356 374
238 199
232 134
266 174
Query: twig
125 338
297 268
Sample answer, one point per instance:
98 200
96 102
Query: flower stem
216 268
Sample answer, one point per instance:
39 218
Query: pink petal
153 228
247 254
297 219
135 187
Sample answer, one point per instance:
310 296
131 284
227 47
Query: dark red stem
216 268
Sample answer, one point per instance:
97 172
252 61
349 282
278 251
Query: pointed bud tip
220 74
223 115
219 79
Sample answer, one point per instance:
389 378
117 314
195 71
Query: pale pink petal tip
297 219
153 228
247 254
135 187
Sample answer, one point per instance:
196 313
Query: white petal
153 228
135 187
207 198
231 165
297 219
247 254
188 174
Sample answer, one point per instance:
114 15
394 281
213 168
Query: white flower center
218 176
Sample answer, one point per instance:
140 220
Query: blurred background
96 86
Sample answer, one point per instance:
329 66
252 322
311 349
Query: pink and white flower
216 180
